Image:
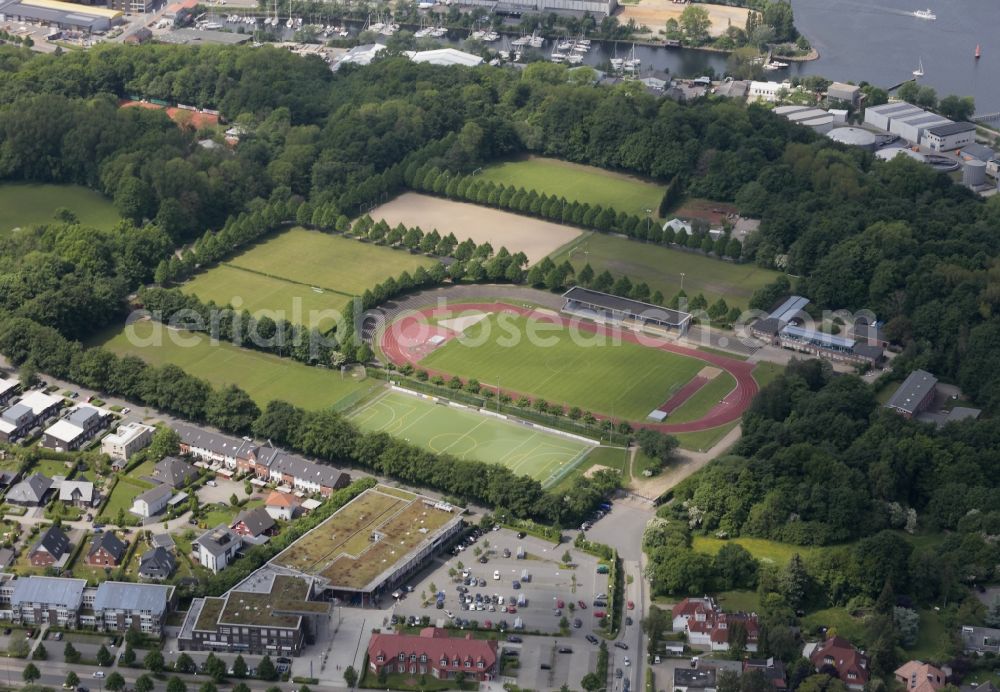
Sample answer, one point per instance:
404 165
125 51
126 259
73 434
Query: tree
70 654
957 108
695 23
795 582
72 680
39 654
30 673
166 442
350 676
992 616
215 668
591 682
736 567
144 683
115 682
104 657
128 655
154 661
241 687
266 669
184 664
208 687
907 623
175 684
239 667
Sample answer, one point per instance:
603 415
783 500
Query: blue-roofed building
42 600
119 606
829 346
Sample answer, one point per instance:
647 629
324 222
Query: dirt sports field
534 237
655 13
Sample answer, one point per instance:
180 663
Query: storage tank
854 136
974 173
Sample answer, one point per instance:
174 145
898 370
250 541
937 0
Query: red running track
405 341
683 394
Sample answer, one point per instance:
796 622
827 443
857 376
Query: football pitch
299 273
579 183
574 368
467 434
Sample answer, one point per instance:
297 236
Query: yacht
924 14
919 72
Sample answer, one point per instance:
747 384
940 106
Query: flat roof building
8 390
848 93
604 307
65 15
949 136
914 395
127 440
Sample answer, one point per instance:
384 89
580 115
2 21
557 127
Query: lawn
580 183
246 290
22 204
934 641
264 377
125 491
702 401
661 268
739 601
333 263
765 373
465 434
704 439
846 625
563 366
611 457
51 468
761 548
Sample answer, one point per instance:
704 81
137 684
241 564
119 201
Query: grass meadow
661 267
23 204
263 376
465 434
579 183
626 381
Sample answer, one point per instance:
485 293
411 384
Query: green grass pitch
263 376
660 267
623 380
466 434
579 183
228 285
23 204
311 258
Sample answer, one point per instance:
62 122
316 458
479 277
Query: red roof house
851 664
707 625
433 652
917 676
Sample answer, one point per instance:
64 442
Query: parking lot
549 584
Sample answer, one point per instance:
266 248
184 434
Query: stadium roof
626 305
913 391
950 128
117 595
67 593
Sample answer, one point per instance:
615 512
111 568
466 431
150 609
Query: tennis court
467 434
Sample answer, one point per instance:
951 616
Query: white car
627 662
496 574
98 673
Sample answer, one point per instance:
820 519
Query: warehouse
819 120
445 57
912 127
64 15
881 116
949 136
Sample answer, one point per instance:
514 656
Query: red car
582 605
598 614
631 605
511 609
559 603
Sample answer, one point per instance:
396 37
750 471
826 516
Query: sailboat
979 52
919 72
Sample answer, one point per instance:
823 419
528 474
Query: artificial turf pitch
624 380
579 183
467 434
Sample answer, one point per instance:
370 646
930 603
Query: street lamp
682 281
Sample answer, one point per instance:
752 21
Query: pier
986 118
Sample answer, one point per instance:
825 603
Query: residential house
265 613
121 606
707 625
77 493
704 677
106 550
174 472
8 390
52 549
152 502
31 491
34 408
772 669
157 564
433 652
127 440
850 663
42 600
218 547
163 540
75 430
980 640
917 676
209 446
281 506
253 523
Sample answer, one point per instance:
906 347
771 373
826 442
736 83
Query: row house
433 652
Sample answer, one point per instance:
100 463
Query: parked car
514 639
506 552
577 623
496 574
98 673
630 605
618 673
628 620
627 662
565 650
521 534
599 614
592 639
582 605
516 584
560 603
621 645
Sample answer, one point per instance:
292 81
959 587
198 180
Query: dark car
621 645
618 673
592 639
483 560
514 639
628 620
545 666
577 623
565 650
521 534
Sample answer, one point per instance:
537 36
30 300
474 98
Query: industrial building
918 126
819 120
445 57
848 93
912 127
880 116
600 8
65 15
949 136
914 395
766 91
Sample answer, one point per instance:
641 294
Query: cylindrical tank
974 173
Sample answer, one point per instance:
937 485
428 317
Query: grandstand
606 308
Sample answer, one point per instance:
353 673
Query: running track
414 329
